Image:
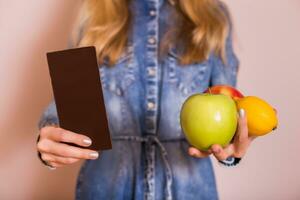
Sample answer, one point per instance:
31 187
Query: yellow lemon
261 116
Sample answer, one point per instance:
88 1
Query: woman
152 55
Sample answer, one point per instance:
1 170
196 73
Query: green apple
208 119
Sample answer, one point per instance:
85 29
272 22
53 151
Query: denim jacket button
151 71
172 2
152 13
150 105
151 40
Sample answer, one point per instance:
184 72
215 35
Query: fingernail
242 112
87 141
94 155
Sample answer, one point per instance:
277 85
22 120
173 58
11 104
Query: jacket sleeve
225 73
49 116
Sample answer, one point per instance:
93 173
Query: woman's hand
56 153
237 148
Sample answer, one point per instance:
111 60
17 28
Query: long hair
201 28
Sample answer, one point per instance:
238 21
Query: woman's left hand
237 148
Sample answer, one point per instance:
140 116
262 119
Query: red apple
226 90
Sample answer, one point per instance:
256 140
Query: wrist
231 161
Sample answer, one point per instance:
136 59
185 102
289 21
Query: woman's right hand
58 154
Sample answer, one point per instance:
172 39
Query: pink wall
267 44
28 30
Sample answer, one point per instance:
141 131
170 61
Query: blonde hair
201 28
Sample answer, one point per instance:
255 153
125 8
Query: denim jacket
143 97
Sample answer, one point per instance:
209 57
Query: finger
65 150
58 159
198 153
220 153
242 132
62 135
242 139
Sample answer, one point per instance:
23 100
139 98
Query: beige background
269 49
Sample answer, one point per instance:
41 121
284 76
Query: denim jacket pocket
186 78
122 75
